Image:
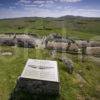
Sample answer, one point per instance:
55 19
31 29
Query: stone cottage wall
38 86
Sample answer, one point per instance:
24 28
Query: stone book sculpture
40 77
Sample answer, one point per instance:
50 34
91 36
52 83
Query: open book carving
39 67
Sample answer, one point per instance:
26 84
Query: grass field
69 26
83 84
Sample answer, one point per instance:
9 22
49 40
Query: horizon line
50 17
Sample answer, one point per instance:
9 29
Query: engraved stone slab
40 77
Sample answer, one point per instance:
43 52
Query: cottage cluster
39 77
52 42
17 40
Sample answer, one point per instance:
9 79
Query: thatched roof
23 42
93 51
58 38
62 46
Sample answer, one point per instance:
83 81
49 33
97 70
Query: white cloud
30 12
29 6
70 1
50 2
45 10
25 1
81 12
35 3
12 7
39 2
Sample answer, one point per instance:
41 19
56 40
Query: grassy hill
77 27
83 84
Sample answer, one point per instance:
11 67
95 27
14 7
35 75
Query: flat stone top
41 70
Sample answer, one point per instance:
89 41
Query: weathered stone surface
39 77
26 42
38 86
93 51
68 64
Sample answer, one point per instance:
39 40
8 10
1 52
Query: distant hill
74 26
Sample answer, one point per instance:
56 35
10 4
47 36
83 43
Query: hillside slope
81 27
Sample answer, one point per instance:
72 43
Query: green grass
71 89
74 27
78 27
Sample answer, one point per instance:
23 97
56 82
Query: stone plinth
39 77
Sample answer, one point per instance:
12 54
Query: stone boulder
68 64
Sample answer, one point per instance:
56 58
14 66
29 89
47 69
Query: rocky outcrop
68 64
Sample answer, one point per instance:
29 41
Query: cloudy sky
49 8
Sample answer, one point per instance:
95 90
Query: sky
49 8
